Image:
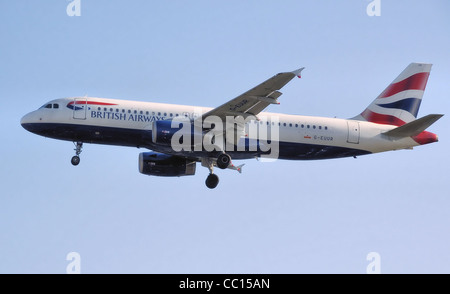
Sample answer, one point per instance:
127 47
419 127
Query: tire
223 161
212 181
75 160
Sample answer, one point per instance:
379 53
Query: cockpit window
50 106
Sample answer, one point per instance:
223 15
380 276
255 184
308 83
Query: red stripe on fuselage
417 81
90 103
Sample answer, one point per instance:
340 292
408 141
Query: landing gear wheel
75 160
223 161
211 181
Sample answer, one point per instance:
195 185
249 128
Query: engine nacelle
162 130
164 165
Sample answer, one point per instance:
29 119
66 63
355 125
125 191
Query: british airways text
125 116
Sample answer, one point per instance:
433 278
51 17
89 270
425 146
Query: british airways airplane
179 136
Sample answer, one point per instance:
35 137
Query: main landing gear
223 161
212 181
76 159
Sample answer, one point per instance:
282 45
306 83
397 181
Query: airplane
180 136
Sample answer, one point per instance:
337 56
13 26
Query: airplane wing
255 100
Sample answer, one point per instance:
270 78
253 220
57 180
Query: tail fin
399 103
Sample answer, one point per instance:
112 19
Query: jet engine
164 165
164 130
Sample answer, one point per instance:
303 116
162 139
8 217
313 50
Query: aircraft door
79 108
353 131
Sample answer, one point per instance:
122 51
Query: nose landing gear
76 159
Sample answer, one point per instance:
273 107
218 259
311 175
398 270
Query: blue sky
279 217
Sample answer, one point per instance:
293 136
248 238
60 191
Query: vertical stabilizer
399 103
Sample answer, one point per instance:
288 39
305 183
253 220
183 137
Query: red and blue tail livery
180 136
399 103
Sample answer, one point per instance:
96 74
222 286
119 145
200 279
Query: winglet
298 72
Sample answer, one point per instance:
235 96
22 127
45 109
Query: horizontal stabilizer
413 128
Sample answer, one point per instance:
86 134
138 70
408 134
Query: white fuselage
97 120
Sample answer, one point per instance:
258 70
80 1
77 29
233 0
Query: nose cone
28 121
25 120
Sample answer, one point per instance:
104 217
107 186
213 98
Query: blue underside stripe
142 138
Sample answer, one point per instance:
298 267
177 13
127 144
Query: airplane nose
23 120
27 121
